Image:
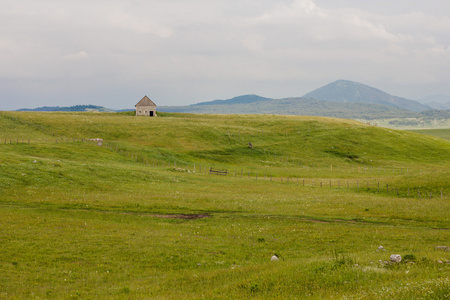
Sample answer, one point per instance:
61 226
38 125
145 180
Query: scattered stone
396 258
98 140
443 248
35 161
440 261
381 248
274 258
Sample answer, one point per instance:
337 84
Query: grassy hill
140 217
441 133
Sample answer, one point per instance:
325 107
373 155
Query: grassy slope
440 133
214 138
79 220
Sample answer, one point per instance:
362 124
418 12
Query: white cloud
281 48
76 56
136 23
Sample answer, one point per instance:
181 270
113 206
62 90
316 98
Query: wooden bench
218 172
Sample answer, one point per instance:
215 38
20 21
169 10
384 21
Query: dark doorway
151 113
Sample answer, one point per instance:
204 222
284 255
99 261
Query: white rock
274 258
396 258
381 248
445 248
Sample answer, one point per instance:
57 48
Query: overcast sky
113 52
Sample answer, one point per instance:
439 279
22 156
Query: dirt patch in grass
183 216
330 221
317 221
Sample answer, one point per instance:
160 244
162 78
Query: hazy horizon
111 54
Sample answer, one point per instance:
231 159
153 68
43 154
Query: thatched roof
145 102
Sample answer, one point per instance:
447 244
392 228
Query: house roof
145 102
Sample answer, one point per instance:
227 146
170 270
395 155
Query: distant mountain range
341 99
349 91
245 99
81 108
437 101
306 107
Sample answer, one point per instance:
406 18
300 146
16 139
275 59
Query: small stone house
146 107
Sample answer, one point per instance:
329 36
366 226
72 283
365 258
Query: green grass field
441 133
141 217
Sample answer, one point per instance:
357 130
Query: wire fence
373 185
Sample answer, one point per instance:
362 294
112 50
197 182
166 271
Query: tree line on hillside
67 108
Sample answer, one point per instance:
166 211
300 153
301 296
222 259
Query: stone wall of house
145 110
